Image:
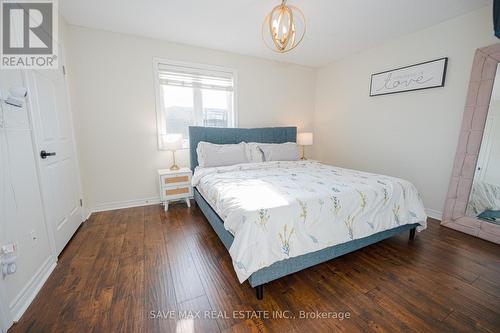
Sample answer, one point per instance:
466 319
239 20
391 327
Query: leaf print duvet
275 209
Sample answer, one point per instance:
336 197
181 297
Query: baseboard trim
435 214
29 292
86 214
125 204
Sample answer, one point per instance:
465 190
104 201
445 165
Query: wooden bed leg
260 292
412 233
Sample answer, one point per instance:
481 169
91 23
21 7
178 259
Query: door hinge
64 70
81 203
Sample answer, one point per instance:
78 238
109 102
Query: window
188 95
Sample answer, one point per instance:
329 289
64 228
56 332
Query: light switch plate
9 248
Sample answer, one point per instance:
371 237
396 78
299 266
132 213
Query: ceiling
335 28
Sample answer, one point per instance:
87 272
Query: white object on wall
8 259
15 97
425 75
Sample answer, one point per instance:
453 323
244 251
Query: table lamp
304 139
172 142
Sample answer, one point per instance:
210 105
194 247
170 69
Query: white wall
412 135
114 106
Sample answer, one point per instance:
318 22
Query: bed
277 218
484 202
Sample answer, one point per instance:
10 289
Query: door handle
44 154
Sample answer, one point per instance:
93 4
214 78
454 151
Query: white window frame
158 94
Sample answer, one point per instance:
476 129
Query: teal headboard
236 135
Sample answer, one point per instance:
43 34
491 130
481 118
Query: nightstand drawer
176 191
173 180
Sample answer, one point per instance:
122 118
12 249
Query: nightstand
175 185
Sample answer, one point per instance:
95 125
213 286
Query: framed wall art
425 75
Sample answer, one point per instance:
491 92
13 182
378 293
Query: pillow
212 155
254 154
288 151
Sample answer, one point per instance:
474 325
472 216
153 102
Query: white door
59 174
5 320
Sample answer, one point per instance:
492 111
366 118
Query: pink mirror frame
477 103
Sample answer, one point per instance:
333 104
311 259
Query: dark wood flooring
129 270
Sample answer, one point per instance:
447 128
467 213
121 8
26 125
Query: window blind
197 78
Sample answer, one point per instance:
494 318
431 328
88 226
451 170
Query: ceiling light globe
283 28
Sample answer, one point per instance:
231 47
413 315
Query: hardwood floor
130 270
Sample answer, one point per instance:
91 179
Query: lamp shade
305 139
171 142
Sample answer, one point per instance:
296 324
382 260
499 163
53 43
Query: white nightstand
175 185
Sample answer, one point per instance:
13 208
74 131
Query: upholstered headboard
236 135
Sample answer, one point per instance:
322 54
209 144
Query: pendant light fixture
283 28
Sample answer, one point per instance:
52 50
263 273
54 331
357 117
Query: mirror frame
481 81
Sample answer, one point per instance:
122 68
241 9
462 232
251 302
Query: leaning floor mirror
473 200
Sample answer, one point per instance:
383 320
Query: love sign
430 74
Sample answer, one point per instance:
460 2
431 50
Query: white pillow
212 155
288 151
254 154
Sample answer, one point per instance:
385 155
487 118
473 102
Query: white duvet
278 210
483 197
